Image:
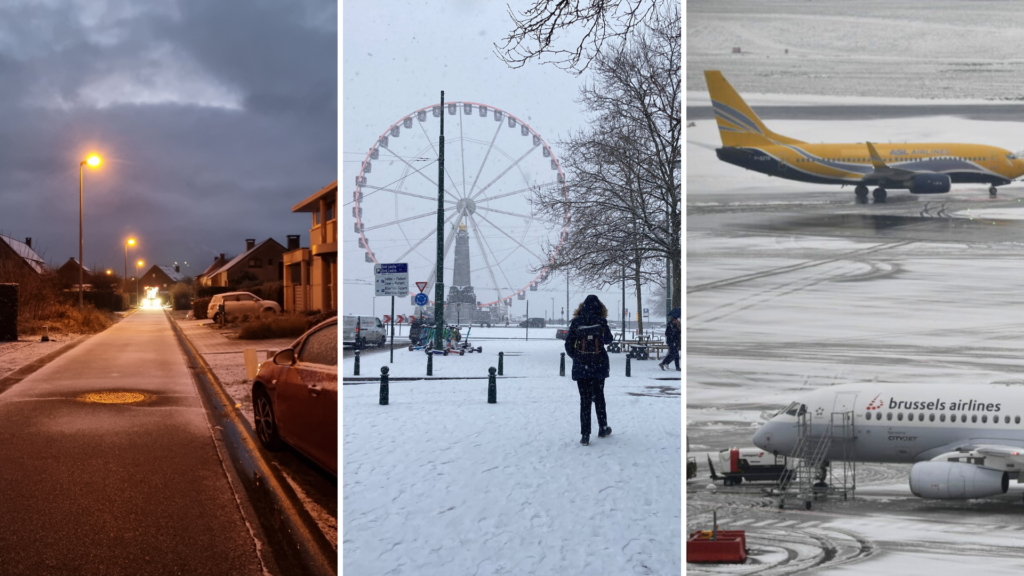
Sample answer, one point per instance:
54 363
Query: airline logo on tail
737 123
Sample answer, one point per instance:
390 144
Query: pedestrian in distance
673 338
584 343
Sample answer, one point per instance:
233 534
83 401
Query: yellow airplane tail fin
876 158
737 123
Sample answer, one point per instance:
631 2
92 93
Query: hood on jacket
591 306
675 313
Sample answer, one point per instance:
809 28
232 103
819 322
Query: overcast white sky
398 56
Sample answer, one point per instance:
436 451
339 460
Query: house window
330 211
316 218
270 261
255 263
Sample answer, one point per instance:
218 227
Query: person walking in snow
584 344
673 337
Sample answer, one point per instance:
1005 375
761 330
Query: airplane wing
882 170
998 456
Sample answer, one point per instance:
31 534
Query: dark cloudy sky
213 119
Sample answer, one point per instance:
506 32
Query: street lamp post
92 161
138 297
130 242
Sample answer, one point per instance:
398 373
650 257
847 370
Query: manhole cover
113 397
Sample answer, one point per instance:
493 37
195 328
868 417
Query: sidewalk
92 488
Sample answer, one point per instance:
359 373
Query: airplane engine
929 183
956 480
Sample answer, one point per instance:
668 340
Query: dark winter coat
586 340
672 336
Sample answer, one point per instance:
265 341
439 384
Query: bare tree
592 22
624 169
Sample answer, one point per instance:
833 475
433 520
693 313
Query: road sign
387 318
421 285
647 312
421 299
391 279
400 319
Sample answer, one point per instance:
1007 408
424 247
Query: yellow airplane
922 168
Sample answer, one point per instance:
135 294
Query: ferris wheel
493 165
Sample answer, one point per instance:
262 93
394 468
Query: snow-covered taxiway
794 286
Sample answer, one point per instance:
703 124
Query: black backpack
590 339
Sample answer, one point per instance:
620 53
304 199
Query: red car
295 397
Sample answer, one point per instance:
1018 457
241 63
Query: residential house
18 261
69 273
206 278
262 261
311 274
161 277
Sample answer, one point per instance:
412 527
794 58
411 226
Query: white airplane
966 441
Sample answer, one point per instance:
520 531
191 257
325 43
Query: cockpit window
1011 156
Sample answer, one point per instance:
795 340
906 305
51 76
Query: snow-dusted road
440 482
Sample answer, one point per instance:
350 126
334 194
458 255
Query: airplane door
845 402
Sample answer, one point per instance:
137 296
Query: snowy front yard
440 482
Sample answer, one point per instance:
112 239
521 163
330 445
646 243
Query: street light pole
93 161
138 296
129 242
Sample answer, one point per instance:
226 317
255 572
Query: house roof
173 274
74 261
242 257
217 263
310 204
25 252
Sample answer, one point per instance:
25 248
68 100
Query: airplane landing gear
992 190
861 191
879 194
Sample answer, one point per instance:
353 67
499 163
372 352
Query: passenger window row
920 417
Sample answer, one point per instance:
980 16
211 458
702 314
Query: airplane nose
762 438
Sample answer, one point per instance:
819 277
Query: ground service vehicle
750 464
295 397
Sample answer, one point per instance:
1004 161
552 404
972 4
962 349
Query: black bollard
383 385
430 363
355 369
501 363
627 366
492 386
561 366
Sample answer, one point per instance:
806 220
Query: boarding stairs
812 474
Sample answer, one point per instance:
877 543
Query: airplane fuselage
850 163
902 422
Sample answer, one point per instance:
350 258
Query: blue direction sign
391 279
421 299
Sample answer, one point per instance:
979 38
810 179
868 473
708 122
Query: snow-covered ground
942 49
441 482
26 349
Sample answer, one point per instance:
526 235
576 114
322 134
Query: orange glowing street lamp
130 242
138 297
93 161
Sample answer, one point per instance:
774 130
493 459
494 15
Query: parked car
362 331
240 303
295 397
561 333
533 323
